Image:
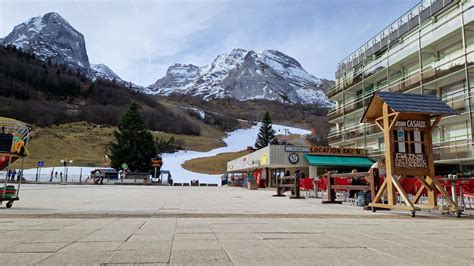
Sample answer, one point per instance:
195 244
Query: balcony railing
335 113
453 150
335 138
401 27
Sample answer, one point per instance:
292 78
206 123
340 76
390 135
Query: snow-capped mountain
246 75
51 37
242 74
104 72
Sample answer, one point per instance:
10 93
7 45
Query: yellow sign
337 151
264 159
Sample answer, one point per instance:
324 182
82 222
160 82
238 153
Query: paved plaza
54 224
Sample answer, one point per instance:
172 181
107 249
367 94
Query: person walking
19 175
97 177
61 176
13 175
101 179
51 177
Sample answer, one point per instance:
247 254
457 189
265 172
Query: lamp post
65 163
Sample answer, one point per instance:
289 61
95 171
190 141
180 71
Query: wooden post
388 155
374 182
331 198
278 188
432 201
296 188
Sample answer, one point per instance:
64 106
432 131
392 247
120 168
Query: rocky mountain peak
280 58
104 72
245 75
53 17
178 75
51 37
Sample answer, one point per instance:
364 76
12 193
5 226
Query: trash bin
363 198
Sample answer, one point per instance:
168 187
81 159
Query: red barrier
306 183
323 183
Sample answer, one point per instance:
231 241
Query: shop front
334 159
264 166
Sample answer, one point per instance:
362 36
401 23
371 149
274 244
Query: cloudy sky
139 39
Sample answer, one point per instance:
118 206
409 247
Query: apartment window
454 96
469 37
360 102
436 136
372 144
381 144
453 132
446 51
452 90
360 144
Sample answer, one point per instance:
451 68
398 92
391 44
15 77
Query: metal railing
399 28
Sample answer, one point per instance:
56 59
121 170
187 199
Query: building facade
428 50
274 160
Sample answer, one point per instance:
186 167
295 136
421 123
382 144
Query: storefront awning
321 160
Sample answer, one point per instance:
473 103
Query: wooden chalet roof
406 103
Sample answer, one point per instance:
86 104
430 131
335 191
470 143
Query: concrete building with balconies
428 50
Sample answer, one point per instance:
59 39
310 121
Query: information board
409 144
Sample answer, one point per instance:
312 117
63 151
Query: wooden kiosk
407 121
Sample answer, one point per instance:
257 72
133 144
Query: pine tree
134 145
266 135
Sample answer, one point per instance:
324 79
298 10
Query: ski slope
236 141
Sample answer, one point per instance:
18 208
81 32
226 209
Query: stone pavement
54 224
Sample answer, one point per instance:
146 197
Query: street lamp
65 163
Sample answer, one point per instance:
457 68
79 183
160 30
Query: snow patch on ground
200 112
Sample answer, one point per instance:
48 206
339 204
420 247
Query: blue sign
40 163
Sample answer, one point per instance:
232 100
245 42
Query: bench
373 186
288 183
140 177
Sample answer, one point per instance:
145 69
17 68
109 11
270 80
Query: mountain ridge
245 75
241 74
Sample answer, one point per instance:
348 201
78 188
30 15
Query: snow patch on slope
236 141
